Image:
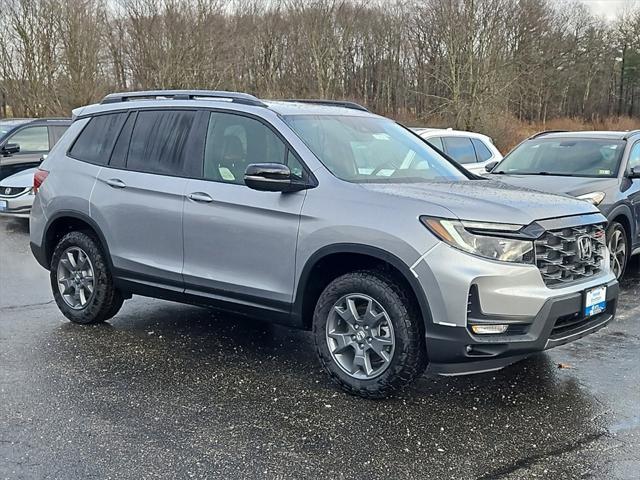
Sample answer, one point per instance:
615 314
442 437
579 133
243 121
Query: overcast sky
608 8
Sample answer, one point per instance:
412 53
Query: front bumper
456 350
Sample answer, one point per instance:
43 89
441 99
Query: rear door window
95 142
482 151
460 149
158 141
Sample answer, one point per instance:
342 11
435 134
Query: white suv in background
472 150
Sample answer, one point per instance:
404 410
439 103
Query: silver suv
318 215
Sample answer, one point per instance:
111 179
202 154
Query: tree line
463 62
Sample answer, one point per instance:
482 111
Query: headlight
594 197
459 235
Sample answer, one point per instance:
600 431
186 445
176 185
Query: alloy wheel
360 337
75 278
617 252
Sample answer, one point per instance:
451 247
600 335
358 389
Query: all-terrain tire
106 300
409 358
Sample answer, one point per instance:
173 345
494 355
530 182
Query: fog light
488 329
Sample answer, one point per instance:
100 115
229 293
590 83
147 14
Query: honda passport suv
318 215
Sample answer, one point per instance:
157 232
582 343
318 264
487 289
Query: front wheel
618 248
81 282
368 334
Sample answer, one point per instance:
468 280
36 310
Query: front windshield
565 157
371 149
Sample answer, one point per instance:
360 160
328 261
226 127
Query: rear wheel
81 282
618 248
367 334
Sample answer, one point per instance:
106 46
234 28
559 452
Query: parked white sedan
472 150
16 194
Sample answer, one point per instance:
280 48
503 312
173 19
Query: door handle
116 183
200 197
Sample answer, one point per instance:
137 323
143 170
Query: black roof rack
539 134
235 97
331 103
630 133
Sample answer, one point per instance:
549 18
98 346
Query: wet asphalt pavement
171 391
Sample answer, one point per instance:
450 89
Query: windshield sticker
381 136
604 172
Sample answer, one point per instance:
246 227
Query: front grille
12 191
560 258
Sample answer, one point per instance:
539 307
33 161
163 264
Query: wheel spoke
82 296
361 361
67 286
379 344
343 341
351 305
67 265
371 318
72 259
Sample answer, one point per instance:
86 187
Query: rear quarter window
482 151
95 142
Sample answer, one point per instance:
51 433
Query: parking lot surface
171 391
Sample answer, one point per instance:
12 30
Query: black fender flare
362 249
47 250
624 210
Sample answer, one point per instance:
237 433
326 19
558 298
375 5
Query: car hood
21 179
487 200
573 186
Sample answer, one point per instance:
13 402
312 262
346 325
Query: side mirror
272 177
10 149
490 166
634 172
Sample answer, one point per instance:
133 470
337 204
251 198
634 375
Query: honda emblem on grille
7 191
584 248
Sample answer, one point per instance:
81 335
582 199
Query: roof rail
539 134
331 103
630 133
235 97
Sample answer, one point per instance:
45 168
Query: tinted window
96 140
158 141
31 139
121 148
565 156
436 142
460 149
482 151
634 156
233 142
